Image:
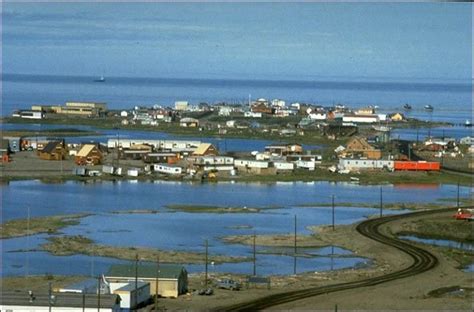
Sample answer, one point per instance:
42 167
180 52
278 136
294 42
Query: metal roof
172 271
22 298
85 150
131 286
50 147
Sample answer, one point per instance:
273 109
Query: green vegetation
66 132
78 244
50 225
38 283
391 206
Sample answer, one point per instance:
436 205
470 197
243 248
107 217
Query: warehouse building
172 279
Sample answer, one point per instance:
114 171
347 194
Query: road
423 261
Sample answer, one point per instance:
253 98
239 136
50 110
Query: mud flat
50 225
212 209
78 244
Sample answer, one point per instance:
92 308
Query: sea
451 99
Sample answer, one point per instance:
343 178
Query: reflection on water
440 242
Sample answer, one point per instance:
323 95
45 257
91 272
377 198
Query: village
356 141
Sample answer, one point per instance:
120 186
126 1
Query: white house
181 105
283 165
252 115
360 118
317 116
364 164
166 169
133 295
225 111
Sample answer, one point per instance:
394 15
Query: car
229 284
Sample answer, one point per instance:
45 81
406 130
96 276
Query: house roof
172 271
22 298
202 148
50 147
131 286
85 150
188 119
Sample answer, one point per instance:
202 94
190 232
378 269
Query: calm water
171 230
452 99
441 242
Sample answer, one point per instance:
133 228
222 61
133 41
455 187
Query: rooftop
146 271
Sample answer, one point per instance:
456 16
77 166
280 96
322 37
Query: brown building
358 146
284 149
261 108
89 154
205 149
54 150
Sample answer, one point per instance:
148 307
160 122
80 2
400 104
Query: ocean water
452 100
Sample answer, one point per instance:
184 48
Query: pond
168 229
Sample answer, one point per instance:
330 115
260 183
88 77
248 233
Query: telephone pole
207 247
295 248
333 214
156 282
254 255
381 202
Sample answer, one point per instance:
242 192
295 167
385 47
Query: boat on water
468 123
428 107
100 79
407 106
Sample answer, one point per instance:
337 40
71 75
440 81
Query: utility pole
333 214
254 255
207 247
28 242
295 250
381 202
457 198
136 281
156 282
98 293
84 299
49 296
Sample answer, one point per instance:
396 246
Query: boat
407 106
467 123
428 107
100 79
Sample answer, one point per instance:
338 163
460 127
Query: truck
228 284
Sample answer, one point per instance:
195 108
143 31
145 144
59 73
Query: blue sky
241 40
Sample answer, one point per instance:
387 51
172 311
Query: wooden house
89 154
205 149
54 150
358 146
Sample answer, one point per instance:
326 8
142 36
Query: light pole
333 213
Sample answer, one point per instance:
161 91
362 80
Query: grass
391 206
66 132
50 225
78 244
38 283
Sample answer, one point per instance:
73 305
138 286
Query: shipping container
417 165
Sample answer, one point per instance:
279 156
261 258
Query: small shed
133 295
172 279
4 151
89 154
54 150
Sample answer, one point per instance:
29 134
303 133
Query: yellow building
81 108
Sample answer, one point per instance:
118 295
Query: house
359 118
317 116
136 151
167 169
225 110
181 105
284 149
89 154
397 117
162 158
205 149
29 114
189 122
14 143
254 166
133 294
172 279
4 151
365 111
89 109
58 301
253 115
54 150
261 107
359 146
356 164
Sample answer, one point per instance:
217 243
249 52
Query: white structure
29 114
212 160
283 165
230 123
360 118
364 164
467 140
306 164
131 292
278 103
317 116
251 163
163 145
181 105
132 172
166 169
123 114
225 110
253 115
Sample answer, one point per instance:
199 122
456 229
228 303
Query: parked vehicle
229 284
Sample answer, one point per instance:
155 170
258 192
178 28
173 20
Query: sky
239 40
